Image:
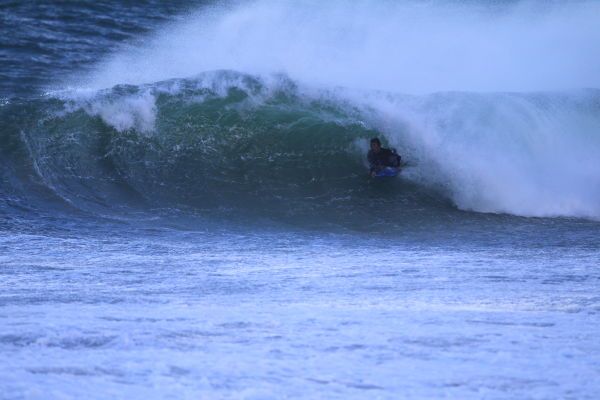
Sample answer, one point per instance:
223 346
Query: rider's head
375 145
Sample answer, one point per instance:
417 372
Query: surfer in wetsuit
380 158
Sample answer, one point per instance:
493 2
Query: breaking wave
268 107
229 140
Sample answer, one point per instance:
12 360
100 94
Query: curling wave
227 140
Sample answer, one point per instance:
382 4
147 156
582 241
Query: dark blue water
185 209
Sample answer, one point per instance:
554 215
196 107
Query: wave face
230 140
267 107
221 140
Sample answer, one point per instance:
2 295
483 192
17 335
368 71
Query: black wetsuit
383 158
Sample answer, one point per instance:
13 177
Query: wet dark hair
376 140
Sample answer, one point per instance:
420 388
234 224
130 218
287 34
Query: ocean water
185 209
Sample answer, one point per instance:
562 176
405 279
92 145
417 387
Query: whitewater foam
524 154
